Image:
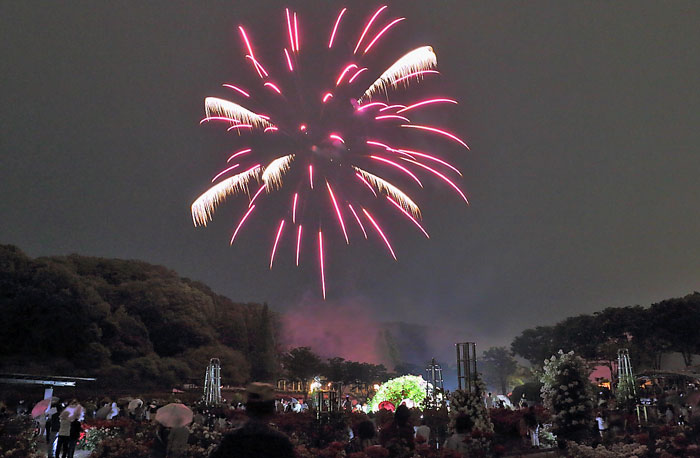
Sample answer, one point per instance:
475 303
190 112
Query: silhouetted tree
497 365
302 364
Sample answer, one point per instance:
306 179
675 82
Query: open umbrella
76 411
135 404
386 405
41 407
173 415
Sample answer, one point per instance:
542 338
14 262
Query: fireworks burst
330 136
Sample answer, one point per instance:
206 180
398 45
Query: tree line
124 322
302 364
648 332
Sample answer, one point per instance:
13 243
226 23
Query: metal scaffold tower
466 366
626 389
435 387
212 383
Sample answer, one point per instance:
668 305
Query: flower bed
17 439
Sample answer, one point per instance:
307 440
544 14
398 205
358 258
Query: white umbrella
135 404
174 415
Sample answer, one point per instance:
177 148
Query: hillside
125 321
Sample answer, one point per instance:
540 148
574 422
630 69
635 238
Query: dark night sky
583 173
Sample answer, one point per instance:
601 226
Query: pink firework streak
362 179
335 27
437 131
373 104
273 87
394 22
408 215
239 153
277 239
403 169
219 118
443 177
369 24
224 171
294 208
426 102
380 232
344 72
303 131
250 50
357 218
289 27
238 228
357 73
337 211
236 88
320 258
252 201
289 60
298 244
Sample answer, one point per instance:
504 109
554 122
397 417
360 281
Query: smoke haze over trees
133 322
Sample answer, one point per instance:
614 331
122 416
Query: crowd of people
259 438
252 428
61 426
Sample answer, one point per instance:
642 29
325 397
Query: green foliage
95 436
125 322
535 344
397 389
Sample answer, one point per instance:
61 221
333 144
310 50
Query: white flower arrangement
567 393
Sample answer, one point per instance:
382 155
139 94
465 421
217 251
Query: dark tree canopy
668 326
125 320
302 364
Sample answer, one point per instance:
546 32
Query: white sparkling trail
203 208
419 59
389 189
272 176
214 106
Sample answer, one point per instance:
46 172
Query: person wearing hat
256 439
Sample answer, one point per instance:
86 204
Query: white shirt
457 442
423 431
601 424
